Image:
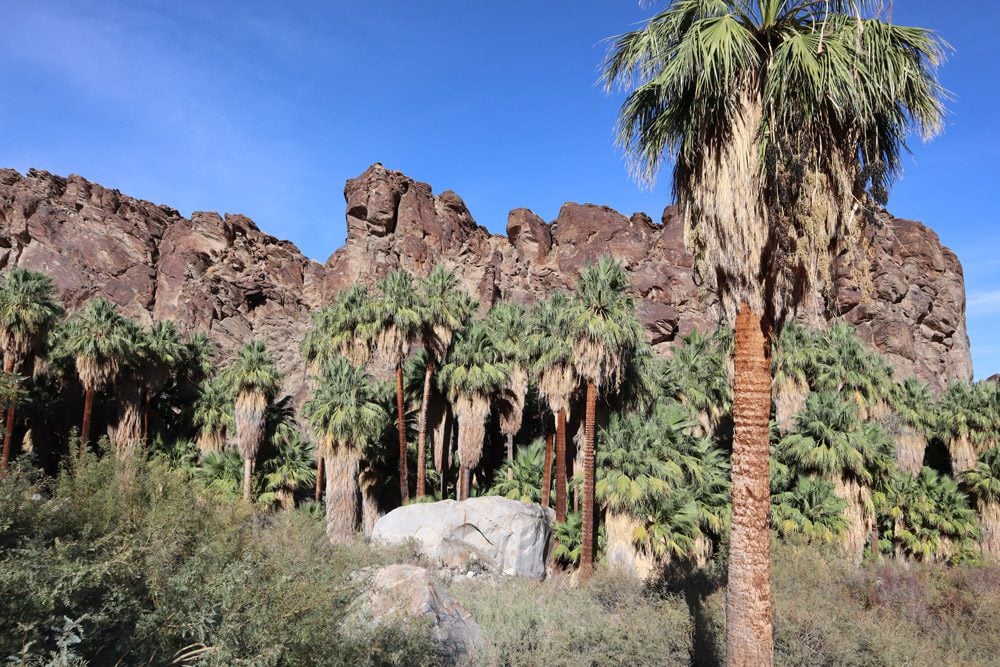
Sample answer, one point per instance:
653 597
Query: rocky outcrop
503 536
222 275
398 594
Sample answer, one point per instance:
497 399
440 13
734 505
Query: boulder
503 536
398 593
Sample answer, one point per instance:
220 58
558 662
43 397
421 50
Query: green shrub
149 570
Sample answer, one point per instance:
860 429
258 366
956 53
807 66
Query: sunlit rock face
222 275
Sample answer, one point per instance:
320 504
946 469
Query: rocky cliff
222 275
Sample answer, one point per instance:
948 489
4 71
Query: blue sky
266 108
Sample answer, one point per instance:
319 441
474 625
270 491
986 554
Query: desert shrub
149 570
609 621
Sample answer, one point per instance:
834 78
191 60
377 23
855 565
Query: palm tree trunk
247 476
749 634
587 546
146 408
561 465
88 408
464 482
8 434
422 433
370 480
963 454
404 481
547 470
989 521
342 495
319 477
510 456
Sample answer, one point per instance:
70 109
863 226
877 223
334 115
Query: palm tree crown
28 308
100 340
777 115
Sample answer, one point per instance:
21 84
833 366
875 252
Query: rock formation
222 275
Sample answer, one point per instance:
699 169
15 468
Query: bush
147 571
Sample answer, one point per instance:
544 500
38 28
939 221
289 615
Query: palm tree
213 415
829 441
699 379
100 341
960 419
475 372
446 309
810 510
28 310
291 468
795 368
398 317
344 411
551 351
846 366
779 116
518 477
605 331
507 324
912 401
126 431
983 481
165 352
253 379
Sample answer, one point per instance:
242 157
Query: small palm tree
398 316
518 478
253 379
475 372
291 467
213 415
810 511
446 309
697 371
961 421
28 310
796 363
829 441
913 421
983 482
605 331
344 412
551 351
100 341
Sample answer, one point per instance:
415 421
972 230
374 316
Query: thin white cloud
983 303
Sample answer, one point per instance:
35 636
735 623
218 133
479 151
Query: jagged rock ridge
222 275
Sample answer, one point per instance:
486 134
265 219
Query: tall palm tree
28 310
960 420
779 116
253 379
344 411
983 481
291 468
446 309
398 316
507 324
100 340
475 372
213 415
344 328
126 431
551 351
605 331
912 403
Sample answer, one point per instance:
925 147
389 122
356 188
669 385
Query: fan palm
983 482
344 412
126 431
213 415
518 477
398 315
811 510
507 324
961 421
100 341
912 403
291 468
446 309
551 351
795 368
697 371
475 372
778 116
605 331
165 353
253 379
28 310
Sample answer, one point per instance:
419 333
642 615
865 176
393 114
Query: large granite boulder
503 536
399 593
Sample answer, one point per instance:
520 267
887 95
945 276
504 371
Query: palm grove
785 122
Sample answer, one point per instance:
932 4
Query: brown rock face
222 275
